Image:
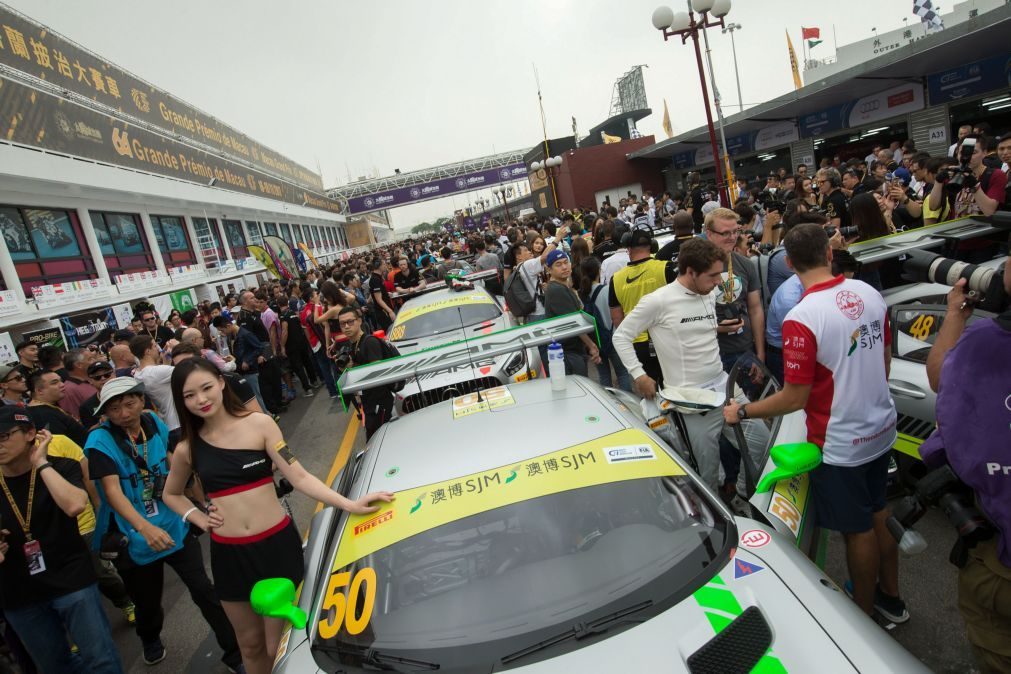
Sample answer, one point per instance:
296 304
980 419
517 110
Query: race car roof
438 443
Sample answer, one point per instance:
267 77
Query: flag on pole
608 138
810 33
667 128
793 63
811 44
925 10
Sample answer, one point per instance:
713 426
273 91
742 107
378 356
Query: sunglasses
101 376
15 377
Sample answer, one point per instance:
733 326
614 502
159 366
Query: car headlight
514 365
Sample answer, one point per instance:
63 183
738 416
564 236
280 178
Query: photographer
971 371
377 403
971 187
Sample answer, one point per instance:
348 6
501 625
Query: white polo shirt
835 340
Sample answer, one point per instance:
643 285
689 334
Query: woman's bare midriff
250 512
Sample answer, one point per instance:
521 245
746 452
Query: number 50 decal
339 609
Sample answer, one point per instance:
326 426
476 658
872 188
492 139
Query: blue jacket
247 349
103 440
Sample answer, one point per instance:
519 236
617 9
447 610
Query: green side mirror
275 598
791 460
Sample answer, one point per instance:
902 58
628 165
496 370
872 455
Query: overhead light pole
732 28
686 25
551 166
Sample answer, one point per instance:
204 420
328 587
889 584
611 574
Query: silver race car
445 315
554 531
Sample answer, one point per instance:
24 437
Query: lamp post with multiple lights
551 166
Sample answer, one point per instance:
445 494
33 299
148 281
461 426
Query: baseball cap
99 366
117 387
554 256
122 335
5 370
12 416
904 175
642 235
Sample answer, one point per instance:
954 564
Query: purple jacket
974 422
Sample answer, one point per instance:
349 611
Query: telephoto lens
923 267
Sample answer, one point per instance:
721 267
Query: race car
442 316
554 531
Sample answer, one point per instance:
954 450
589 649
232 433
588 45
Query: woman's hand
211 519
156 538
364 505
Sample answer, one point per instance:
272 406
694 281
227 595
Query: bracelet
189 512
43 467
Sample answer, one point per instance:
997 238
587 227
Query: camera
770 202
342 359
987 284
847 232
941 488
958 178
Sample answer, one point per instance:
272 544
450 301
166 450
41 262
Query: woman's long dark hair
189 422
865 214
332 294
589 273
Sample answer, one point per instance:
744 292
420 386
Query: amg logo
692 319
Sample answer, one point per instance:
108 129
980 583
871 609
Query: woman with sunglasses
252 538
13 386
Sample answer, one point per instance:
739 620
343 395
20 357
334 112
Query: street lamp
551 166
731 28
685 25
504 193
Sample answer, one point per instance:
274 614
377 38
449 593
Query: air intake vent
738 648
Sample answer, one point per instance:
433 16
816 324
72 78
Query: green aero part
274 598
791 460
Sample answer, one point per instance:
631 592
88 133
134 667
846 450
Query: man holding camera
972 188
971 371
377 403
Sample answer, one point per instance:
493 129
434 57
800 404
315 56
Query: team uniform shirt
58 422
66 448
834 206
694 201
311 310
835 340
682 326
633 282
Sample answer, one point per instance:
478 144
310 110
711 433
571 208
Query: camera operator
831 199
971 371
973 188
377 403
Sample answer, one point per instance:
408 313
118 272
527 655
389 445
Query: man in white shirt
681 320
963 131
614 262
157 380
836 358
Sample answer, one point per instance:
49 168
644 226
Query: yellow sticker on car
454 301
789 502
626 455
488 399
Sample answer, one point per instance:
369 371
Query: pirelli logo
368 525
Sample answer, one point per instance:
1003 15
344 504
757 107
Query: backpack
517 296
390 351
590 307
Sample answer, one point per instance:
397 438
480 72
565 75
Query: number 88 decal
342 610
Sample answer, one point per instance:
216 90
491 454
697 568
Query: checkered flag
925 10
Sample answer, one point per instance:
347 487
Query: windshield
442 317
477 590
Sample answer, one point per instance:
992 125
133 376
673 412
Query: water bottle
556 366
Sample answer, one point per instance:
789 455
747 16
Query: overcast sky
365 87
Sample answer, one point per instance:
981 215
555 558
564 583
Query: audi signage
887 104
402 196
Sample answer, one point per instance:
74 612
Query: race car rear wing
921 238
462 352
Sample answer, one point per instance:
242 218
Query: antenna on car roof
470 356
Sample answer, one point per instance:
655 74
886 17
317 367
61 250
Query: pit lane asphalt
315 427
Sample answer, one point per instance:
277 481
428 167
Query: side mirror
791 460
275 598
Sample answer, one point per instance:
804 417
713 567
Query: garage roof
974 39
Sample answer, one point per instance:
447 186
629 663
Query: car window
916 328
437 321
481 587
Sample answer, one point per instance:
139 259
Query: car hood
800 605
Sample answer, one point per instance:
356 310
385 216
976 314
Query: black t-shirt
559 300
509 258
58 422
378 285
671 249
250 320
409 280
834 206
239 386
694 201
161 335
66 556
296 336
368 350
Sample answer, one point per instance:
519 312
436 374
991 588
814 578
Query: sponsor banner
69 292
970 79
437 188
7 353
740 144
422 508
51 336
9 303
34 49
123 314
182 300
825 121
38 119
776 135
893 102
264 258
140 280
281 254
308 253
92 327
684 160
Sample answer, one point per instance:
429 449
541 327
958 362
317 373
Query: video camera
941 488
960 177
769 201
985 287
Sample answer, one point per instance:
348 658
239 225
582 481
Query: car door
914 329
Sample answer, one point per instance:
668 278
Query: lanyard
133 445
24 520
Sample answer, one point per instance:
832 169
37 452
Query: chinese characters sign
33 49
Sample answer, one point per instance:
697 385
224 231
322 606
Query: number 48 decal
341 609
921 327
